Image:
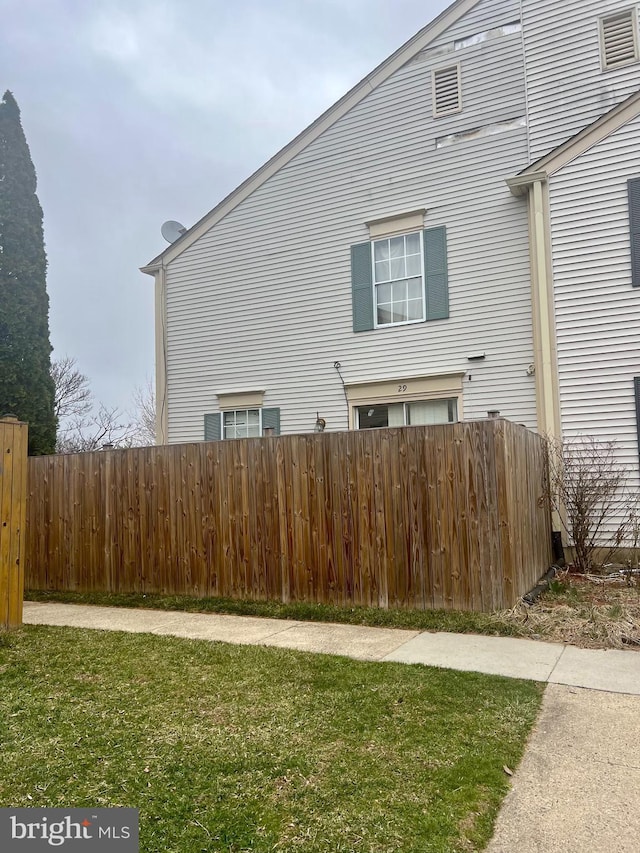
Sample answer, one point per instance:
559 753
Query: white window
406 414
398 280
447 90
242 423
619 39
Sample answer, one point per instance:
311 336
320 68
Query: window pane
413 244
397 268
382 270
396 245
414 309
400 312
414 266
254 417
414 289
399 291
396 414
383 293
372 416
429 412
384 315
381 250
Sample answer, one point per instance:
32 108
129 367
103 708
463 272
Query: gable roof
390 65
576 145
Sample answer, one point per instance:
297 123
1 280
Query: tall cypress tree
26 386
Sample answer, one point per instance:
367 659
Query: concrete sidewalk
577 789
612 670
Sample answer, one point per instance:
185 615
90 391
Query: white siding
486 15
263 300
566 87
598 312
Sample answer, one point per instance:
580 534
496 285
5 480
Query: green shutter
271 420
212 427
633 187
436 280
362 287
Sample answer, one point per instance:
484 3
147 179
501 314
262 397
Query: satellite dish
171 230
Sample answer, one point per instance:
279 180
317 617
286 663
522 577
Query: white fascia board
353 97
577 145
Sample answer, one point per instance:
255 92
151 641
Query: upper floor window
397 274
400 279
619 39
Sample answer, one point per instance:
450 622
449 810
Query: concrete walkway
577 789
612 670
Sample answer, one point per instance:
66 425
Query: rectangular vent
619 39
447 95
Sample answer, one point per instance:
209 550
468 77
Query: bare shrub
588 491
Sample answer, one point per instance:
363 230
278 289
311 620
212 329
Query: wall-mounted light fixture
320 423
477 356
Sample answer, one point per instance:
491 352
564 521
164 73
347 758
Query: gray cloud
139 111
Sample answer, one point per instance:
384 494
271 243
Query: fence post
13 506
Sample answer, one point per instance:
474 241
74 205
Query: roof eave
397 59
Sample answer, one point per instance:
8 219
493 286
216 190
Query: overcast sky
137 112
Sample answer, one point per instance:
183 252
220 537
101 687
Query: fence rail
421 517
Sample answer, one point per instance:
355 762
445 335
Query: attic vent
447 95
619 39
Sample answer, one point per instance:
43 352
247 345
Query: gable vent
447 95
619 39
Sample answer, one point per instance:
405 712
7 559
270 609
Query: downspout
546 356
161 356
159 273
534 186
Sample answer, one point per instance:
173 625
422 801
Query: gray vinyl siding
597 309
486 15
566 86
263 300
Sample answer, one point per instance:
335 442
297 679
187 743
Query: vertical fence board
13 501
444 516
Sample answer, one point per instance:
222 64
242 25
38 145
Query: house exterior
459 234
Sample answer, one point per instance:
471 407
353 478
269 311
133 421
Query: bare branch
144 414
588 489
73 397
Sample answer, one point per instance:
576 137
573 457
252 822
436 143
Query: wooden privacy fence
13 501
422 517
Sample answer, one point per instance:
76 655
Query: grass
234 748
456 621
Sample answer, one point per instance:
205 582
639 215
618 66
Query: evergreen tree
26 386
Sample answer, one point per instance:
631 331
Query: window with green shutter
241 423
399 280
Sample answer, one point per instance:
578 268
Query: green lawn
456 621
232 748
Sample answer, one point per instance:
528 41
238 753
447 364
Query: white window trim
636 45
423 318
418 389
240 409
450 112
